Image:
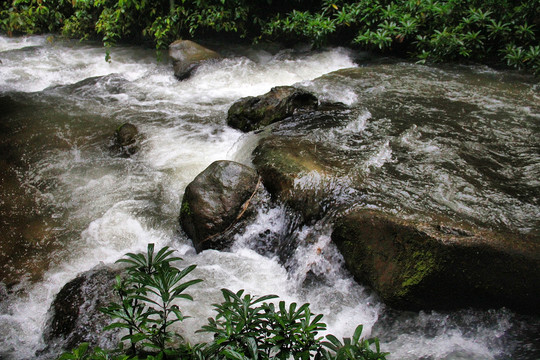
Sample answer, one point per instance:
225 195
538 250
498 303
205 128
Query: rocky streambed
417 252
400 196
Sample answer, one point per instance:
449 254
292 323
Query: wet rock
94 87
415 265
126 139
187 56
74 315
215 201
251 113
282 164
299 169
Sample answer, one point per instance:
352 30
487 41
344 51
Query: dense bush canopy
503 31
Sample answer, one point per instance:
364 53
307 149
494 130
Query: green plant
352 349
240 326
245 327
147 296
293 331
84 352
248 327
79 353
428 30
33 16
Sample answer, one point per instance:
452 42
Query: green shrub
428 30
248 327
147 294
33 16
245 327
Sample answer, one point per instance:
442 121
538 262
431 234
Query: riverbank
427 31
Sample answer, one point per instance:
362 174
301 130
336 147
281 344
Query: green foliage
84 352
245 327
428 30
355 348
302 24
147 308
33 16
249 327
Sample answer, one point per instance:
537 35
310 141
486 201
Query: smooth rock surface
215 201
415 265
251 113
187 56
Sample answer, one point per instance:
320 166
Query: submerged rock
415 265
215 201
299 170
251 113
74 316
282 163
187 56
126 139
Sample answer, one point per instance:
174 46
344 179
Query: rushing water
68 203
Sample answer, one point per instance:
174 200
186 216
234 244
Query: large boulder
283 163
215 201
415 265
74 315
187 56
299 169
251 113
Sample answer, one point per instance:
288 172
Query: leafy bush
249 327
147 295
428 30
245 327
33 16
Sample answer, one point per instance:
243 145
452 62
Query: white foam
12 43
381 156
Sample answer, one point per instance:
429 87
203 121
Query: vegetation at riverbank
245 327
493 31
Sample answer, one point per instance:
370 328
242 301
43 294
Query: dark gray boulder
439 265
187 56
126 140
74 315
215 201
251 113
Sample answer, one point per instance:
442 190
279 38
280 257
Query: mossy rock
415 265
251 113
126 140
282 162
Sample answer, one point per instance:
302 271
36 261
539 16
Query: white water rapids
94 207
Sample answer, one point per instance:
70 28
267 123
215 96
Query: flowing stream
68 203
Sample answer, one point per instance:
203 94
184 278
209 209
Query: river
68 203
